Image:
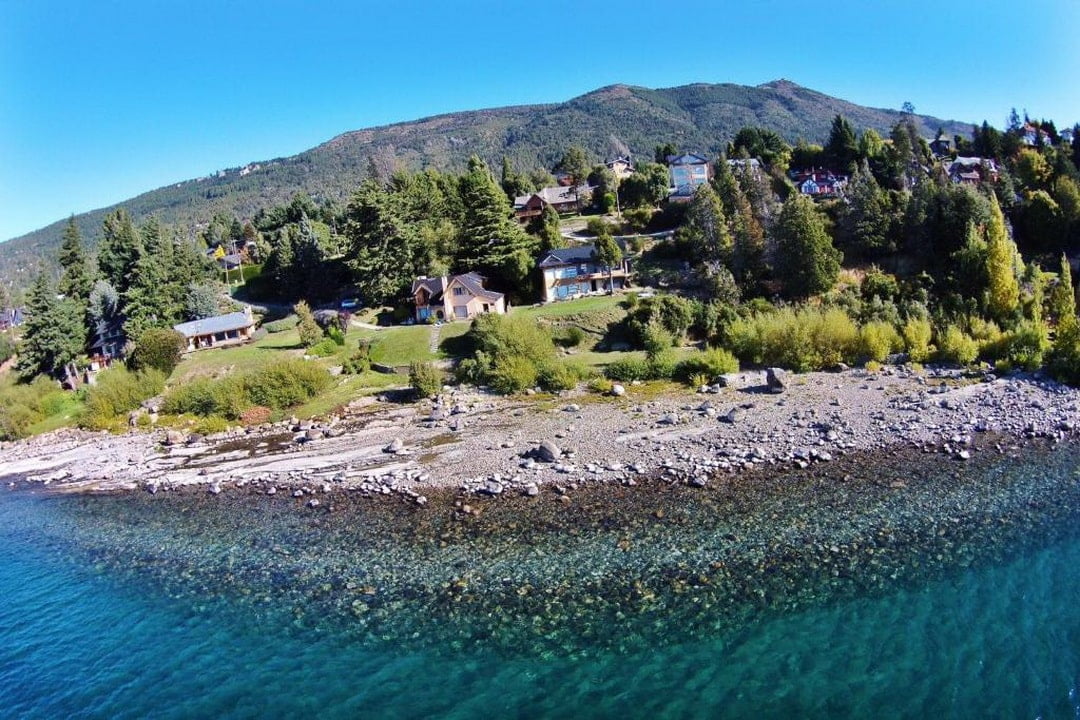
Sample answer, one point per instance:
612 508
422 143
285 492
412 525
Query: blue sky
100 101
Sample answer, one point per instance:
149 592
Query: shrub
628 369
662 365
157 348
557 376
601 385
118 391
630 301
425 379
333 332
324 348
570 336
1026 345
310 332
957 346
917 334
1064 361
656 339
512 373
7 348
211 425
285 323
710 364
286 383
872 366
802 340
878 339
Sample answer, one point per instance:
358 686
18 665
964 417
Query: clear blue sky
100 101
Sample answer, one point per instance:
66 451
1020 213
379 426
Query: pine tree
308 257
842 148
52 334
748 237
864 223
75 279
491 241
1001 259
705 233
806 261
381 244
120 249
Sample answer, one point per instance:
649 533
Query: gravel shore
490 445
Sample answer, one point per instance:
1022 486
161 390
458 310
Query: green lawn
591 303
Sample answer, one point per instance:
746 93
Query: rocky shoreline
483 444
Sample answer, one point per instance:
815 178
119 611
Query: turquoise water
185 607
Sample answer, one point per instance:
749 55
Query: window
459 291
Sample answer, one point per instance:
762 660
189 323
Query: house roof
567 256
436 286
216 324
686 159
556 195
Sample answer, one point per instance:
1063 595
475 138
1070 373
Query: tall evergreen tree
842 148
381 244
120 249
53 332
748 237
864 220
705 234
146 299
76 281
806 261
491 241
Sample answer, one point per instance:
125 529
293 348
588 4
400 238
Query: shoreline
490 445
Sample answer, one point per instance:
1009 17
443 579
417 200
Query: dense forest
617 120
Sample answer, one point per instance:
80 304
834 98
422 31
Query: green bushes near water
23 406
512 354
277 386
801 340
118 391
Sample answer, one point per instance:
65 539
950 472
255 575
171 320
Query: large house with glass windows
457 297
570 272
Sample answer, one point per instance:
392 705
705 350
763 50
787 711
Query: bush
157 348
917 334
286 383
425 379
1064 361
807 339
7 348
558 376
601 385
256 415
877 340
512 373
656 339
710 363
333 332
23 405
957 346
285 323
570 336
226 397
628 370
1026 345
324 348
118 391
662 365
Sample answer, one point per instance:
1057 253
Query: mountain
615 120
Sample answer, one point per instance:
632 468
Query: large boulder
775 379
548 452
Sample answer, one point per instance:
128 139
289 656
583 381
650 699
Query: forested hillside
611 121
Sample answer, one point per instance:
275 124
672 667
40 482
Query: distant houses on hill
561 199
570 272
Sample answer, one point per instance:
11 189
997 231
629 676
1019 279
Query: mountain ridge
615 119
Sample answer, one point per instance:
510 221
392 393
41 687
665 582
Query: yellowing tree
1001 261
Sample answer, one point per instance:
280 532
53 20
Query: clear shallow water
83 635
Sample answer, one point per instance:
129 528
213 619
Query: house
1033 135
569 272
457 297
11 317
621 167
218 331
230 261
941 147
688 172
739 163
972 170
818 184
108 341
561 199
